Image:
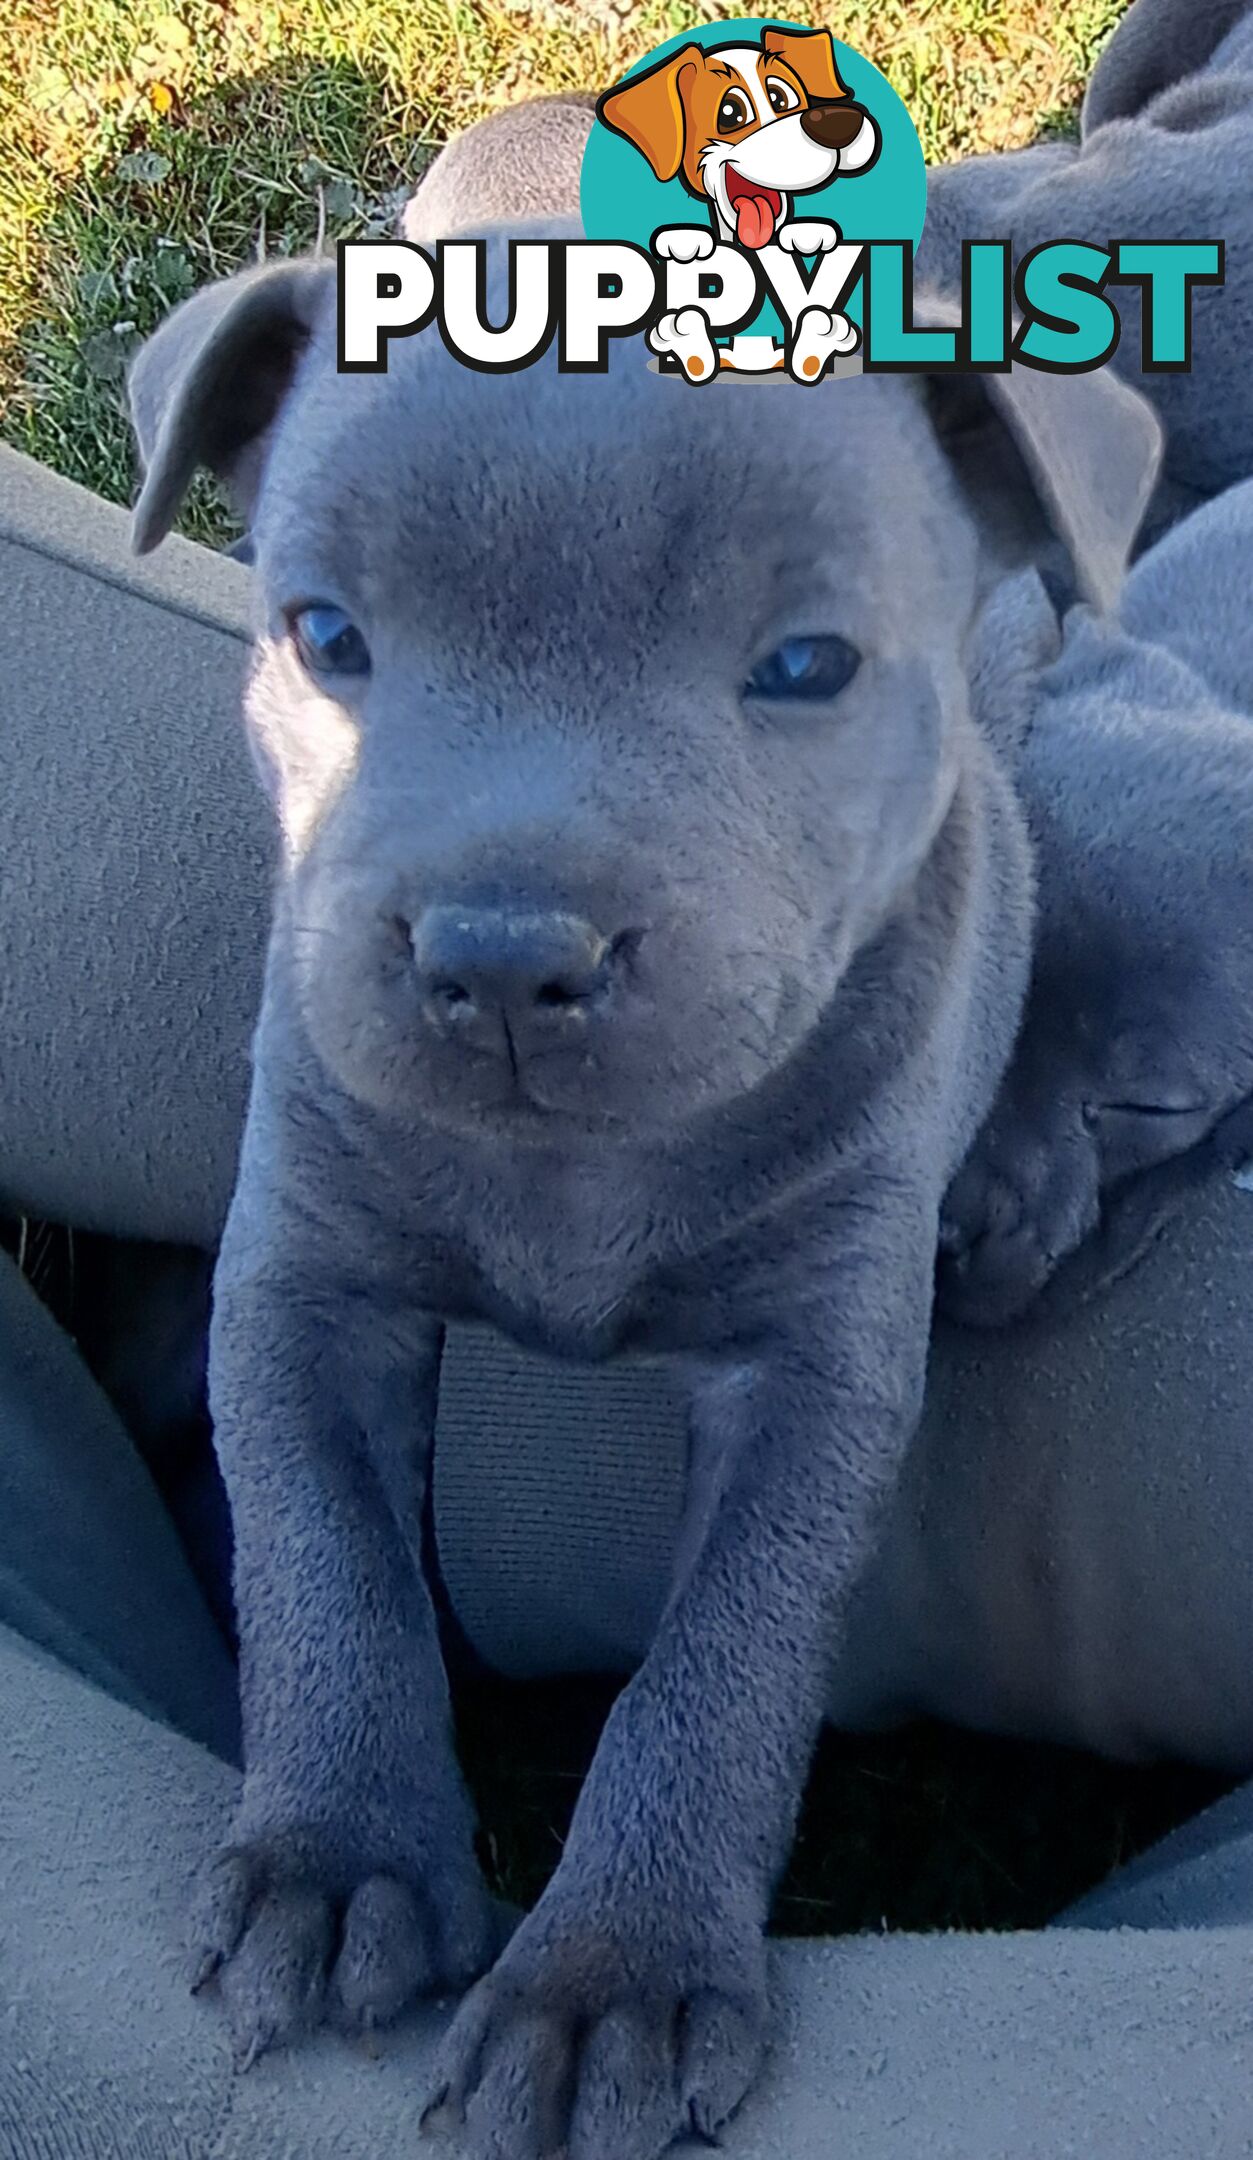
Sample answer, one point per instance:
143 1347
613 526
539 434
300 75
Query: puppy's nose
834 126
499 978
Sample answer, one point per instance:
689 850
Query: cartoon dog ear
649 110
811 56
207 386
1081 452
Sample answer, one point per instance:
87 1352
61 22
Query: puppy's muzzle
509 981
833 126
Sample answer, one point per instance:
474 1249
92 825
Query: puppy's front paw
596 2037
684 243
808 236
293 1935
1004 1231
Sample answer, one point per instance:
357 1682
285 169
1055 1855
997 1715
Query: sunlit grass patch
145 148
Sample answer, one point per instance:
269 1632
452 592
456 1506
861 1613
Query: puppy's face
747 126
606 722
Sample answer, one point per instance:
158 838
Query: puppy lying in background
1137 761
650 941
1165 151
1136 773
522 163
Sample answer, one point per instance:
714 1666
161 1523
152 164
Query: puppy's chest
579 1270
565 1270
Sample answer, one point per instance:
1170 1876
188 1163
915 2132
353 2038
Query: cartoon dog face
747 126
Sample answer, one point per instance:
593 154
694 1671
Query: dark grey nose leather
490 975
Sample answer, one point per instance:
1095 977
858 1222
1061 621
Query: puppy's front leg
630 2007
351 1861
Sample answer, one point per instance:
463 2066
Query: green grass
147 145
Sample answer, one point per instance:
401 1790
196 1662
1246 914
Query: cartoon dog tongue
754 220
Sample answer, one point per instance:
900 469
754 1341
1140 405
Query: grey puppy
651 936
1136 766
523 162
1136 770
1165 151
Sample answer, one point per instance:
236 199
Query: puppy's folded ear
649 109
1084 454
207 386
1015 637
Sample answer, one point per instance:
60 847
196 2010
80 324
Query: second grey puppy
1136 771
1165 153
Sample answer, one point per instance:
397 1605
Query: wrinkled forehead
555 488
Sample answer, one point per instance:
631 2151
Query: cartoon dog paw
684 243
683 333
808 236
820 337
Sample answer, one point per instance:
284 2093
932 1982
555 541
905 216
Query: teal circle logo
763 135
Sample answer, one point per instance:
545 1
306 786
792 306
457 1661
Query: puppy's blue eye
328 643
805 668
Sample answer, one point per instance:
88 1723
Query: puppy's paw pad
683 334
809 236
684 243
821 336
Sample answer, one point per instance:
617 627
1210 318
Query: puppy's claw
368 2037
952 1235
249 2052
701 2128
439 2104
205 1971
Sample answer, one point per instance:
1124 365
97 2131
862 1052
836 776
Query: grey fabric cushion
1200 1876
1131 2042
134 870
90 1566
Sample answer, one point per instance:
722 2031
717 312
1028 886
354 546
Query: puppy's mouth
756 209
